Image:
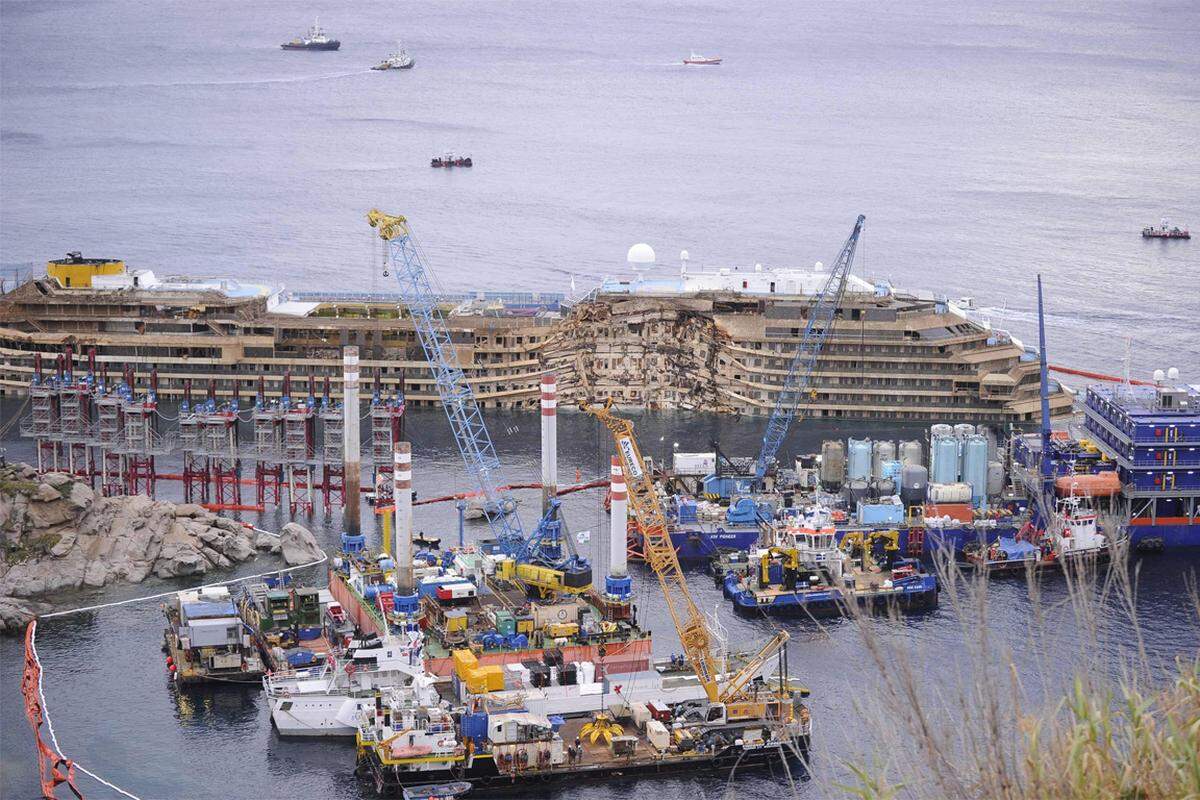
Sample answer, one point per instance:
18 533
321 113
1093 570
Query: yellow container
557 629
464 662
475 681
75 272
506 569
493 677
525 625
456 621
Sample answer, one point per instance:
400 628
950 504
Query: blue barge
1152 436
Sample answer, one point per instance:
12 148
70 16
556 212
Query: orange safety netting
53 767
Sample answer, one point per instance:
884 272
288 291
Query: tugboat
702 61
1165 231
450 160
315 39
397 60
1074 534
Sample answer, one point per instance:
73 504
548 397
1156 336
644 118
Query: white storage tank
858 462
833 464
949 493
995 479
881 453
914 484
975 466
911 452
943 459
940 430
963 430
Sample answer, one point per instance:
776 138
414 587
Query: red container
960 512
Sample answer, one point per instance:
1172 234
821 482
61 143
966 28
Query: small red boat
450 160
1165 231
702 61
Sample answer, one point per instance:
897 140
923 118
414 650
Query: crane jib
629 454
796 390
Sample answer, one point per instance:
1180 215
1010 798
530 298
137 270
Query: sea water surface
115 710
985 142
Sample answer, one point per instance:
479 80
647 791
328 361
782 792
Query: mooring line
33 645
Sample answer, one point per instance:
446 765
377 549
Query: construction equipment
797 385
544 546
864 544
693 629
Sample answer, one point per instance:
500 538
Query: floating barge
292 626
513 752
808 570
207 640
462 605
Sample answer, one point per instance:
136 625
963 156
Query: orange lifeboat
1102 484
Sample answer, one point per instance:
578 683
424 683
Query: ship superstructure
716 341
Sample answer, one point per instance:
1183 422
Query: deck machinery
735 695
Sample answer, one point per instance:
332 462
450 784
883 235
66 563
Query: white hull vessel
328 700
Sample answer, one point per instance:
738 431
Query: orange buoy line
53 767
1098 376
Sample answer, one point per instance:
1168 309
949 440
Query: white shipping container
698 464
658 735
640 714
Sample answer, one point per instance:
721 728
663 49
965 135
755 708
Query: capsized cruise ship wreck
705 340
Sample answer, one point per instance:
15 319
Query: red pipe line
579 487
1098 376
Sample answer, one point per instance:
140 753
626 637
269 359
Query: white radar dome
818 267
1173 374
640 254
1159 375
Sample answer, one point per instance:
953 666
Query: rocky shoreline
56 534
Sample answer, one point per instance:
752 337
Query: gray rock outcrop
298 545
57 534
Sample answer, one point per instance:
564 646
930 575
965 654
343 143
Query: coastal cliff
56 534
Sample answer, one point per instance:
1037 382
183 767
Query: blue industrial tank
943 455
858 463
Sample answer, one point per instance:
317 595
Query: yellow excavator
732 697
865 544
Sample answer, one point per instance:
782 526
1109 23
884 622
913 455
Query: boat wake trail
175 84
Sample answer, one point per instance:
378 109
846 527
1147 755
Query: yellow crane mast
660 554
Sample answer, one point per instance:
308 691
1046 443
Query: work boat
327 700
1076 531
315 39
1074 534
702 61
397 60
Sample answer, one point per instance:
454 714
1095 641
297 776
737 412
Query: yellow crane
693 629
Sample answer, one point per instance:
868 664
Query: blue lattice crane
541 561
796 389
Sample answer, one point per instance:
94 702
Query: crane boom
457 396
648 512
796 386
